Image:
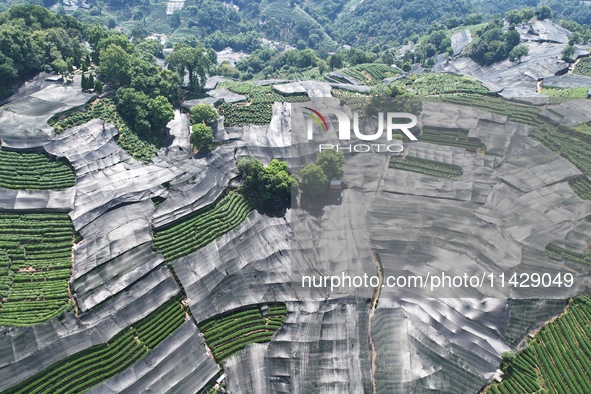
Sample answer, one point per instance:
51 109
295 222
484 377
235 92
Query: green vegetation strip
35 267
429 84
105 109
582 186
33 171
258 109
231 332
457 138
428 167
83 370
557 360
561 254
370 73
558 95
202 227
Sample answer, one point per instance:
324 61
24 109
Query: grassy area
33 171
35 267
105 109
583 67
88 368
430 84
584 128
428 167
471 28
557 360
231 332
457 138
558 95
200 228
258 108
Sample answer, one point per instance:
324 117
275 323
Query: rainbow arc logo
317 117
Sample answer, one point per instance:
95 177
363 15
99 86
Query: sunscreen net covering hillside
465 202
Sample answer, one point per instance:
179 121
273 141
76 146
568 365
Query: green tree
276 182
146 116
160 112
203 113
90 82
251 170
544 12
313 180
331 162
512 38
514 17
115 66
568 52
175 22
83 82
518 52
335 61
201 136
193 60
59 65
98 86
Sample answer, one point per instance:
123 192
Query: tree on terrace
193 60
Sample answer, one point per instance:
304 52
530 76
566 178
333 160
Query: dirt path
374 302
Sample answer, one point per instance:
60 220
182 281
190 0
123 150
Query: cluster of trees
492 44
391 22
247 42
146 115
268 62
196 61
33 39
90 83
272 185
523 15
573 10
315 177
210 15
145 93
436 42
581 34
201 134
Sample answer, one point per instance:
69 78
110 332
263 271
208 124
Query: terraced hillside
428 167
33 171
558 360
366 74
35 266
232 332
86 369
568 143
105 109
258 107
202 227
